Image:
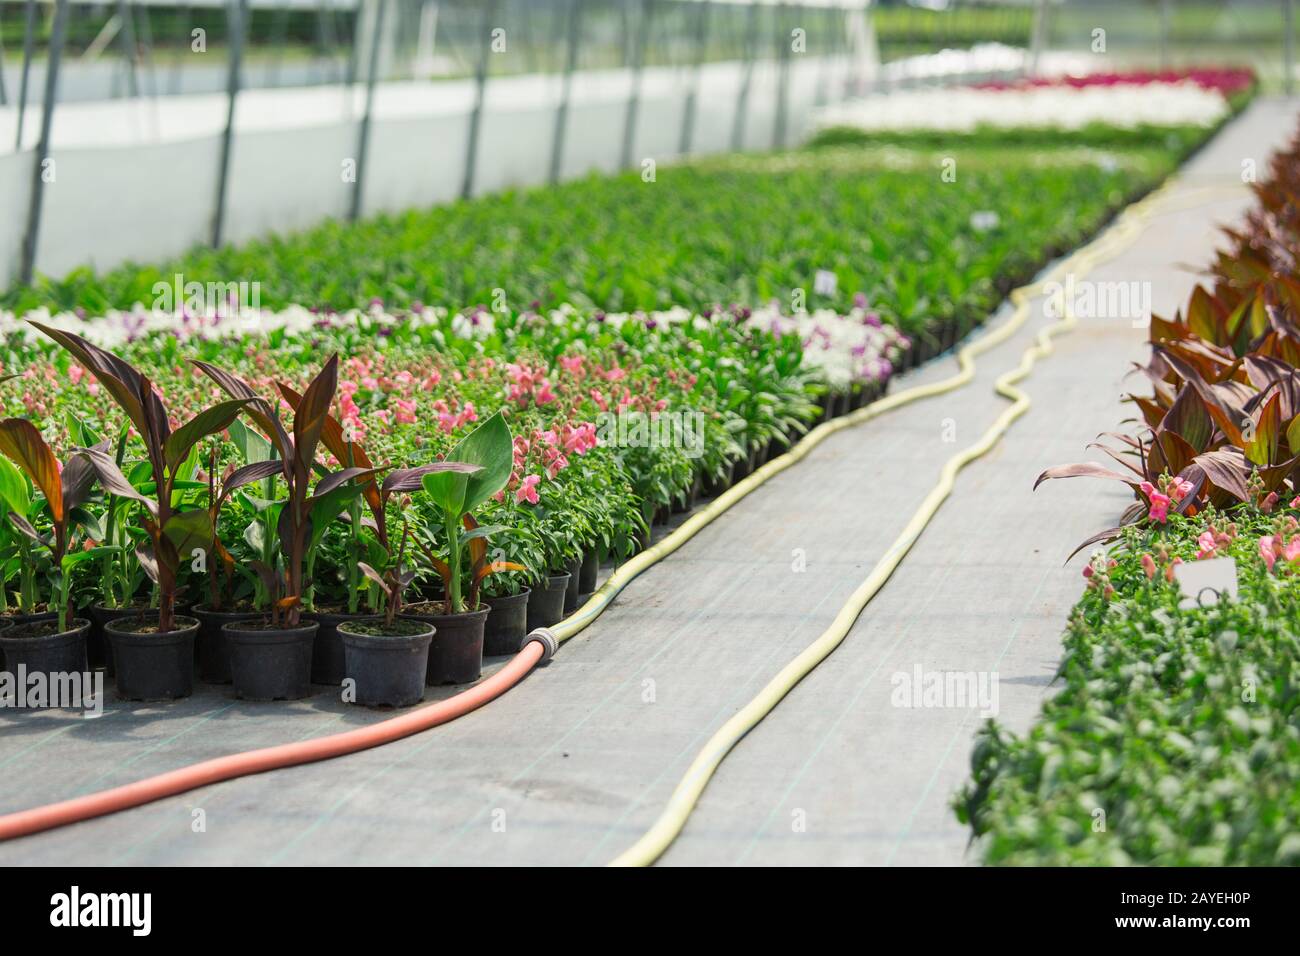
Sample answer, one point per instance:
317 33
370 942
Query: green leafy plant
64 488
173 534
477 468
296 533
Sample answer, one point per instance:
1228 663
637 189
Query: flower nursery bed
1098 109
220 462
1175 739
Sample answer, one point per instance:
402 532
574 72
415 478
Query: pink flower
75 373
1295 502
1268 550
527 490
1149 566
405 411
1169 571
1159 509
555 466
1180 488
1207 543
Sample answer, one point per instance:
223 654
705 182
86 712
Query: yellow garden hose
684 797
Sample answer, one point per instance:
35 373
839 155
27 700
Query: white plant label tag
1204 582
825 282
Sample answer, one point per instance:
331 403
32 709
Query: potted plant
387 655
56 645
228 597
18 561
328 659
477 468
270 659
153 653
120 574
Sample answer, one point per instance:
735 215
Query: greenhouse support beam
29 42
742 98
574 33
126 40
235 19
480 90
1288 46
693 94
783 76
363 131
55 54
1038 38
634 96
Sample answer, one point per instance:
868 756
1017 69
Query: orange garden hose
26 822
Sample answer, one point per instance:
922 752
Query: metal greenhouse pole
29 41
783 76
692 95
480 88
574 33
1288 45
28 264
235 21
742 98
126 37
363 133
638 63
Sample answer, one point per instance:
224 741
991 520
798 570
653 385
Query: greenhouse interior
550 433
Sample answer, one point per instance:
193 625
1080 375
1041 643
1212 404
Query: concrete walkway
574 764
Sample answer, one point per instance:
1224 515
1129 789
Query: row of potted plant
240 518
1176 724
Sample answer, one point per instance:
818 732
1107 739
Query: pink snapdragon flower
1159 509
527 490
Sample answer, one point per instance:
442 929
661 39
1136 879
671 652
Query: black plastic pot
716 486
13 620
60 653
456 654
507 623
99 652
574 568
270 663
546 602
213 646
153 666
327 658
590 570
389 669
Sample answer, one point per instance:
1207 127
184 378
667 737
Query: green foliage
734 229
1176 730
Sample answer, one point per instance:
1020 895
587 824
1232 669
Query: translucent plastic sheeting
105 206
149 201
15 195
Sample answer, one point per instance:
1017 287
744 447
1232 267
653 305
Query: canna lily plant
376 496
173 534
474 471
65 487
306 511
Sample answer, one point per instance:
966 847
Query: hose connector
547 639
